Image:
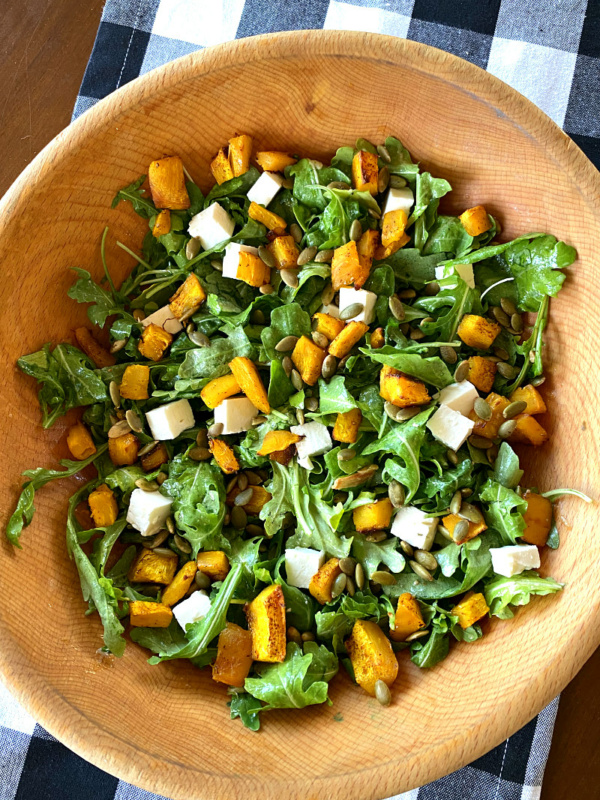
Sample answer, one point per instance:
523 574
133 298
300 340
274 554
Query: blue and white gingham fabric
550 52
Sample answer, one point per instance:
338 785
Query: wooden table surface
44 48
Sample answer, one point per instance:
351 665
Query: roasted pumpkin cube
271 221
221 168
250 382
285 252
240 150
93 350
475 220
394 225
489 429
377 339
371 655
103 506
80 442
258 499
481 373
475 528
234 656
167 183
408 618
178 587
134 383
385 252
327 325
123 450
365 171
346 269
367 247
322 581
219 389
373 516
478 332
145 614
277 440
154 342
266 620
528 431
308 359
534 400
188 298
283 457
213 563
401 390
152 567
253 270
224 456
470 609
162 224
155 458
538 519
346 426
350 334
274 161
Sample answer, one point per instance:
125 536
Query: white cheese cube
349 296
265 188
235 414
450 427
415 527
165 319
301 563
148 511
168 421
514 559
211 226
193 609
231 260
459 397
316 441
332 310
399 199
464 271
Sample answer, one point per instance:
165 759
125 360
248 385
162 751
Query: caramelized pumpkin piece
145 614
470 609
123 450
162 224
178 587
134 383
154 342
373 516
266 620
401 390
481 373
377 338
365 171
285 252
80 442
478 332
259 497
219 389
475 220
188 298
271 221
351 333
253 270
103 506
213 563
224 456
240 150
234 656
475 528
346 268
308 359
327 325
346 426
167 183
534 400
152 567
155 458
367 247
394 224
489 429
221 168
322 581
274 161
538 519
371 655
528 431
408 618
93 350
277 440
250 382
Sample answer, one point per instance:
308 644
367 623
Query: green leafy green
134 194
505 510
334 397
506 467
501 592
246 708
429 370
288 320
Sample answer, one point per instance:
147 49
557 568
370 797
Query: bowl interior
165 728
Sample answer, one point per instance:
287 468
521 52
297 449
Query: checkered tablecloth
550 52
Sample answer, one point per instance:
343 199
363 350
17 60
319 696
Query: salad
304 425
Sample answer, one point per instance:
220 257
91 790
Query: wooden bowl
166 728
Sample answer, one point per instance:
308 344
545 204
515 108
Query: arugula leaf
428 189
280 386
160 640
449 482
461 299
135 195
501 592
413 268
280 504
246 708
371 405
104 545
506 467
532 348
400 161
334 398
300 607
288 320
429 370
310 182
235 187
86 290
427 654
505 510
448 235
372 554
490 251
213 361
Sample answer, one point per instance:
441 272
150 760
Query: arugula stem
533 344
131 253
104 264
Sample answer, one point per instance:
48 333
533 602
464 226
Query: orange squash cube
475 528
259 497
321 582
162 225
155 458
377 338
534 400
400 390
145 614
408 618
373 516
152 567
365 171
178 587
224 456
538 519
277 440
367 247
346 269
134 383
167 184
103 506
385 252
490 428
266 620
470 609
234 656
371 655
271 221
93 350
394 224
221 168
350 334
80 442
327 325
528 431
481 373
475 220
346 426
213 563
250 382
154 342
219 389
188 298
240 150
308 359
478 332
123 450
253 270
285 252
274 161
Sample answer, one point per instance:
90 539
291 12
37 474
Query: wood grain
495 148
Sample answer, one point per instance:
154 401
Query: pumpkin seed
288 183
417 635
134 422
192 249
416 334
199 454
329 367
431 289
296 232
339 585
402 414
501 353
253 478
215 430
257 317
147 448
164 551
444 532
461 372
327 295
157 540
286 344
242 483
347 565
407 294
516 323
202 580
507 428
288 365
396 307
508 306
182 544
117 345
255 530
243 497
218 265
306 255
342 362
120 428
406 548
350 586
512 409
471 513
451 456
507 370
190 328
466 492
146 486
480 442
384 153
266 256
199 339
420 571
308 636
161 478
289 277
482 409
396 494
296 379
312 404
359 576
390 409
323 257
501 316
138 314
383 180
202 438
115 395
239 518
346 455
170 525
397 182
456 502
300 416
355 231
320 340
461 531
537 381
382 693
376 537
232 484
342 185
293 635
227 518
266 289
448 354
383 578
425 559
374 214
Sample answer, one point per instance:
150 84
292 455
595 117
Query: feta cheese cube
349 296
148 511
450 427
399 199
332 310
316 441
464 271
459 397
415 527
514 559
193 609
211 226
265 188
231 260
301 563
165 319
235 414
168 421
